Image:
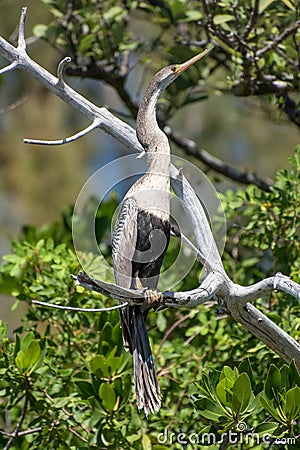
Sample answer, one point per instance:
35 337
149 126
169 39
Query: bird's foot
153 299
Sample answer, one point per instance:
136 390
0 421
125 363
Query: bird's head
168 74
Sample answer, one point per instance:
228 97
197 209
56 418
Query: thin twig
14 105
252 20
73 431
88 129
178 234
24 432
73 308
21 419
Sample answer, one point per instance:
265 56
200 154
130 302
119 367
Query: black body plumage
145 266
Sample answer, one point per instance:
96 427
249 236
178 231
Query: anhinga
141 235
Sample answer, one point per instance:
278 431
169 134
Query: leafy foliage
268 221
66 381
230 399
256 50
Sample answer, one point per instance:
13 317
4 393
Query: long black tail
136 340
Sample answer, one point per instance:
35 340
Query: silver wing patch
124 242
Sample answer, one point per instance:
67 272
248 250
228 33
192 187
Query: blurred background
38 182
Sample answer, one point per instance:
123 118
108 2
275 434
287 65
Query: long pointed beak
182 67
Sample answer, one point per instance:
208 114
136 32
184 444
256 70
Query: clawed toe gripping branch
217 284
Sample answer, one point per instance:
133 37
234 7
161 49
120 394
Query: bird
141 236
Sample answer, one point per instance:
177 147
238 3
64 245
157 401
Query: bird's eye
173 68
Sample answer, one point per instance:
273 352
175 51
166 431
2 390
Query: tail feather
145 378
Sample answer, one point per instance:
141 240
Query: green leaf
3 330
114 13
114 362
19 359
85 389
161 322
192 16
292 407
209 409
294 375
28 356
263 4
289 4
40 30
245 366
265 428
223 18
228 372
99 366
86 43
273 382
268 405
133 437
146 442
31 356
15 305
25 342
108 396
223 391
241 394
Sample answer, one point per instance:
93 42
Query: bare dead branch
91 127
108 289
266 330
207 249
213 285
108 122
234 298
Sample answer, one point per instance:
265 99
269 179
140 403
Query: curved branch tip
60 70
